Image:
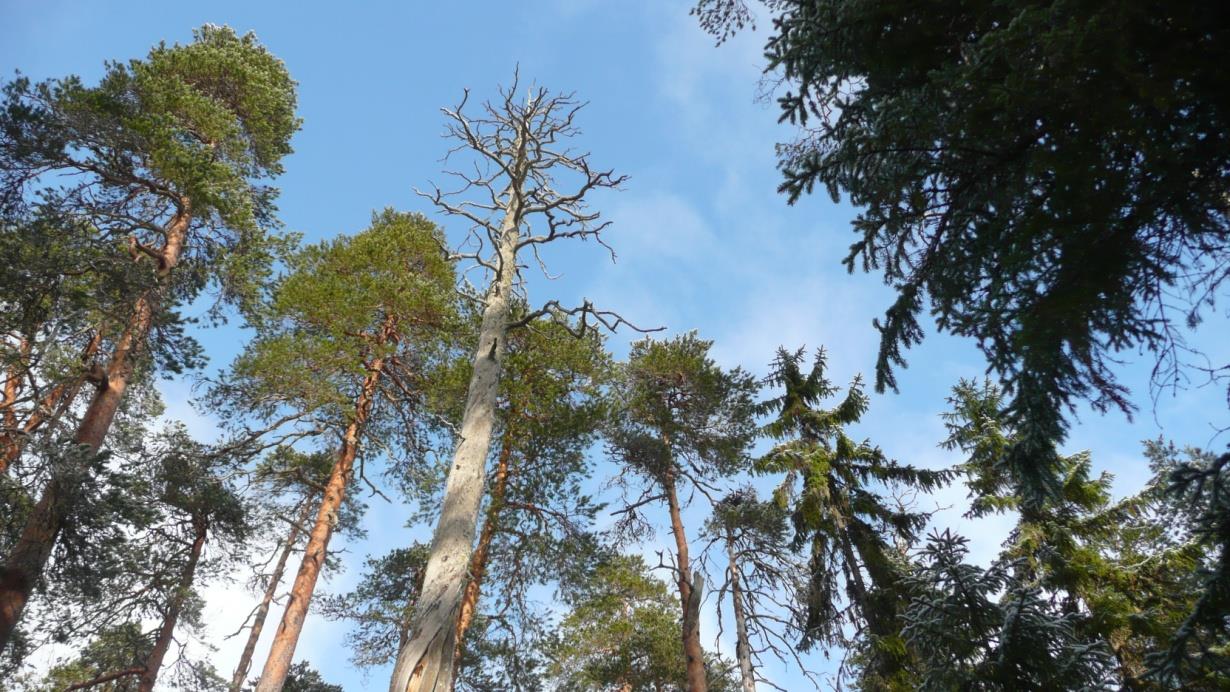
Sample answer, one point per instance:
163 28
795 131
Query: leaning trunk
689 595
427 663
26 561
174 607
743 648
281 653
262 611
478 562
50 407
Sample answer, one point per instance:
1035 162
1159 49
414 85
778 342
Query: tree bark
50 407
689 595
427 663
12 388
743 647
282 652
174 607
262 610
24 564
478 562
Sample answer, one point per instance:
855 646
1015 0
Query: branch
608 319
135 670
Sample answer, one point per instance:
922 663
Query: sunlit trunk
24 564
282 652
743 648
262 610
427 663
689 599
175 606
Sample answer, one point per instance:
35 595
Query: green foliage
1130 572
385 293
115 649
620 631
987 629
1199 490
834 489
1046 177
678 412
125 557
379 606
550 408
189 129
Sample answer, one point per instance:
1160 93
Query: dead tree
521 188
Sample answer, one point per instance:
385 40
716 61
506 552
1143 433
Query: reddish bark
689 602
277 666
262 611
175 606
49 408
12 388
478 561
24 564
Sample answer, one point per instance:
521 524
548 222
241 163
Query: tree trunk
174 607
743 647
282 652
262 611
26 561
427 663
12 388
689 594
478 562
48 409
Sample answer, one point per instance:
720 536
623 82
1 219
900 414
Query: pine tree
183 501
537 517
164 156
680 422
764 578
290 485
618 634
351 327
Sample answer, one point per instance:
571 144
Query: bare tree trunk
282 652
262 610
427 661
689 594
743 648
50 407
174 607
26 561
518 145
478 562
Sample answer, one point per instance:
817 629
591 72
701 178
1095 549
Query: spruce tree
1046 178
1125 573
835 489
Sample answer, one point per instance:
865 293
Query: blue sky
704 241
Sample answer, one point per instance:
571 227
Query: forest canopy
260 431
